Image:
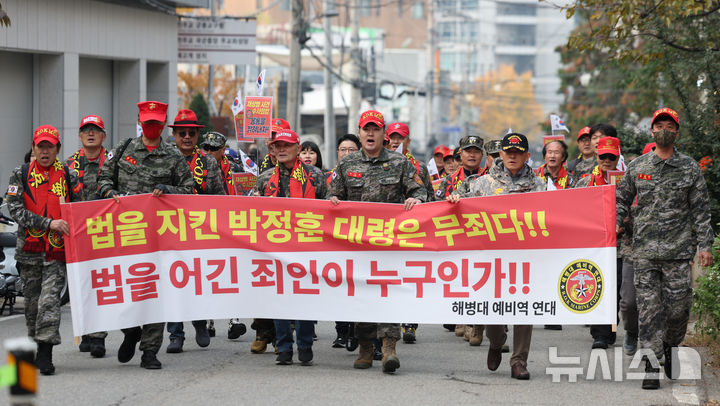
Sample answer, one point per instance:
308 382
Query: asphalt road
439 369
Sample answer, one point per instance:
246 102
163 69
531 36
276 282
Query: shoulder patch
644 176
355 175
131 160
12 190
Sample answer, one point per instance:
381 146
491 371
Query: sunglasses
607 157
190 134
211 149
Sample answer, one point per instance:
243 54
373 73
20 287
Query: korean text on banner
509 259
258 117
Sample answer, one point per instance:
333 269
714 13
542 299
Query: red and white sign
258 117
527 259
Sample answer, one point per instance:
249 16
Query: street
439 369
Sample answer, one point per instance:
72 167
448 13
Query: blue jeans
177 330
304 330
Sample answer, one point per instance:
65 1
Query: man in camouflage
471 154
584 163
34 195
375 174
512 175
207 181
145 165
213 143
292 178
672 219
269 161
399 133
86 164
492 149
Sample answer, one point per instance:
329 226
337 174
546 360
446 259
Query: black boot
652 376
149 360
85 344
43 360
127 349
668 366
97 347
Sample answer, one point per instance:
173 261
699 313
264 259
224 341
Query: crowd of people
663 220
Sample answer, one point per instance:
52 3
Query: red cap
186 118
440 149
670 113
448 153
398 128
92 120
583 131
649 147
609 145
46 133
288 136
152 110
278 124
372 116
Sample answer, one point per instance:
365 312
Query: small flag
260 82
139 130
432 168
557 124
248 164
399 148
237 105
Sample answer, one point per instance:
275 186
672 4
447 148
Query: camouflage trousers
664 298
370 331
151 336
43 284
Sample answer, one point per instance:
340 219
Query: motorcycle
11 284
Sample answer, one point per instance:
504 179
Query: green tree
644 54
200 107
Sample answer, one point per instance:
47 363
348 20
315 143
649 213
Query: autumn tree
195 81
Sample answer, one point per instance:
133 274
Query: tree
224 83
200 107
664 53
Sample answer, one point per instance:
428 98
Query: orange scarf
457 178
561 182
227 176
301 184
597 178
42 196
77 164
198 168
413 161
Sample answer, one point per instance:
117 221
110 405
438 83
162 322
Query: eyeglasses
607 157
347 150
90 128
190 134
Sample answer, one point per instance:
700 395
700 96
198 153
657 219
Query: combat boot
84 344
97 347
459 330
408 334
652 376
236 329
259 345
669 361
390 361
476 335
43 360
467 332
149 360
365 356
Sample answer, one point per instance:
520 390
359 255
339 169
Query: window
448 61
446 31
285 5
469 31
446 5
418 10
512 9
522 63
469 5
516 34
364 7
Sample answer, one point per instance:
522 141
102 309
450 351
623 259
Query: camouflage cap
471 141
493 147
213 139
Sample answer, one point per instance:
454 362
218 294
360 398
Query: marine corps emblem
581 286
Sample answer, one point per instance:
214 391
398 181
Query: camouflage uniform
424 174
582 167
213 179
317 179
672 200
628 303
140 171
43 280
499 181
441 192
388 178
90 172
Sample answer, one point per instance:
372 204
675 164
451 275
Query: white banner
218 41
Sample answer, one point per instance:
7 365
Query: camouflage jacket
317 179
389 178
140 170
424 174
673 207
90 172
446 185
583 167
625 240
208 178
26 218
499 181
585 182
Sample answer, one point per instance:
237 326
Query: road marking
686 395
6 318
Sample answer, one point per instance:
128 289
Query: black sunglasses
607 157
210 148
190 134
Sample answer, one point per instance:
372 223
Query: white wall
16 112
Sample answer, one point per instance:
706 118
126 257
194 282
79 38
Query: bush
705 297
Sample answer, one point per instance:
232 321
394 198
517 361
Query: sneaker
377 353
149 360
505 349
449 327
84 344
630 345
211 328
352 343
202 336
284 358
97 347
340 341
127 348
175 346
235 330
305 356
408 335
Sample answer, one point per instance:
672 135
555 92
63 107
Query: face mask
152 130
664 138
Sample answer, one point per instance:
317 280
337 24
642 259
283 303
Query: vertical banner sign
216 41
258 117
244 182
529 258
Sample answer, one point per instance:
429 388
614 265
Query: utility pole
293 91
211 70
354 114
329 132
431 77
